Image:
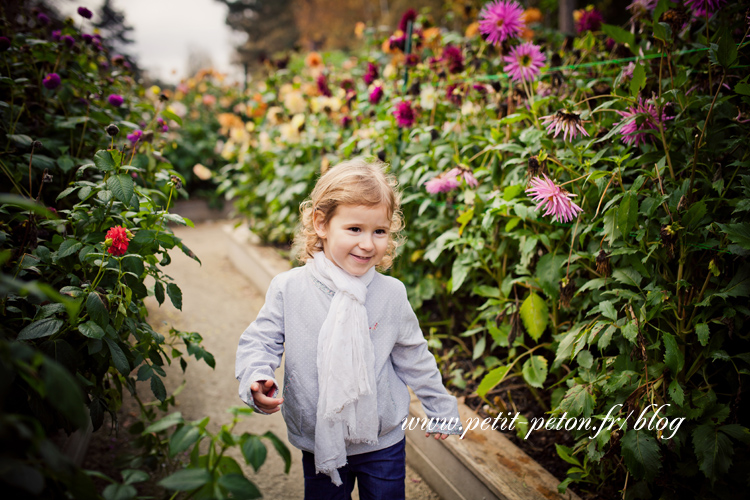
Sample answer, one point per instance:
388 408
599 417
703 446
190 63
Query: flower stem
700 140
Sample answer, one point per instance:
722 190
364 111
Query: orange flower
532 15
472 30
359 29
313 60
229 121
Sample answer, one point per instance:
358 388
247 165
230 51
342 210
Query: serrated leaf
186 479
175 295
459 273
122 187
638 80
165 423
535 371
673 357
104 161
585 359
132 476
726 50
535 315
694 214
578 400
714 450
628 276
701 330
40 329
641 454
738 233
608 310
119 491
630 331
65 192
627 212
68 247
254 451
619 35
91 330
494 377
676 392
119 360
182 439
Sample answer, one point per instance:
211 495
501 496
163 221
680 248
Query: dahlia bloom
450 180
455 93
43 19
701 8
371 74
453 58
642 7
404 113
323 85
501 20
409 15
116 240
588 19
569 123
84 12
558 202
69 40
524 62
642 116
135 136
115 100
427 97
376 95
51 81
87 38
56 34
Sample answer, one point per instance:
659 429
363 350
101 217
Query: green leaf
535 371
159 292
726 51
132 476
169 115
694 214
104 161
21 140
459 273
64 393
119 492
122 187
186 479
701 330
182 439
627 211
65 192
535 315
714 450
91 330
630 331
608 310
479 348
628 276
175 295
97 310
738 233
39 329
118 357
676 392
578 400
673 357
281 449
157 387
619 35
638 79
641 454
239 486
254 451
26 204
68 247
494 377
165 423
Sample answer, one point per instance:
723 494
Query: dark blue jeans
379 474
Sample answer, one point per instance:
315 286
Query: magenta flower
412 60
51 81
701 8
376 95
466 174
345 121
501 20
442 183
135 136
569 123
642 7
84 12
43 19
397 42
371 74
87 38
590 20
56 35
544 191
323 85
115 100
643 116
524 62
455 93
162 124
404 113
453 58
409 15
69 40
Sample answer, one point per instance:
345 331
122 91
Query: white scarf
347 395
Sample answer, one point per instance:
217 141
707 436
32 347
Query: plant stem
703 131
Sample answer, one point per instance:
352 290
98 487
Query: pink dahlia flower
404 113
569 123
642 116
450 180
371 74
323 86
376 95
453 58
524 62
501 20
701 8
544 191
409 15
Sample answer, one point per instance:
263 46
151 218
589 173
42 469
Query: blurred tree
198 59
112 24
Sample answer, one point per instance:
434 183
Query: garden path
219 303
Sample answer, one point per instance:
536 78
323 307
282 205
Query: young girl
351 339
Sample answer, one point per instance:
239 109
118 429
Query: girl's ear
320 227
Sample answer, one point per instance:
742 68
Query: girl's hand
437 436
261 391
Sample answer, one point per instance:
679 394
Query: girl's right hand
261 391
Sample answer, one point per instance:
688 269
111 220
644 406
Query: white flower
427 97
265 141
273 115
289 133
298 120
389 71
295 102
178 108
469 108
284 90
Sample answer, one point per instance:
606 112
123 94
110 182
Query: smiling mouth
363 259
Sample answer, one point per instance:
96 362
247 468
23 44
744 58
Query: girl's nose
366 243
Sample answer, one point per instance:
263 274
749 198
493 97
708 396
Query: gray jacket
289 322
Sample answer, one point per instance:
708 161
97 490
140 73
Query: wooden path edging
485 465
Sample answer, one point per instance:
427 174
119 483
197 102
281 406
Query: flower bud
112 130
108 243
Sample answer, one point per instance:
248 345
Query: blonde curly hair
358 181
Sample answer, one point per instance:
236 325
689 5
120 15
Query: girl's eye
380 231
355 229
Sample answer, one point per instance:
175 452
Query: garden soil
219 303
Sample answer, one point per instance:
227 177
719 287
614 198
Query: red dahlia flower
117 239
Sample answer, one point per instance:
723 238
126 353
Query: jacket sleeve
261 346
416 366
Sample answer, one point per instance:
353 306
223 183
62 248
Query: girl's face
356 237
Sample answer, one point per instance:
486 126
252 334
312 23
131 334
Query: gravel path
219 303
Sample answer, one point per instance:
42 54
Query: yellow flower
250 126
155 89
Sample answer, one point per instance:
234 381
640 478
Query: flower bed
576 218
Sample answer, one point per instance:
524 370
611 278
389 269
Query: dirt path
219 303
